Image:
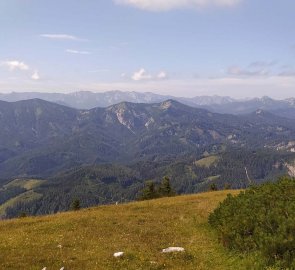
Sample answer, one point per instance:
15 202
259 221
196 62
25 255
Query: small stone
173 249
118 254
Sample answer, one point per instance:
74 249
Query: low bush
260 219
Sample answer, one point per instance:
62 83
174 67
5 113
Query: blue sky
241 48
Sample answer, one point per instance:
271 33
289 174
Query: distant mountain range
219 104
104 154
284 108
89 100
39 138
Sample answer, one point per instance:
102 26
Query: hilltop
87 239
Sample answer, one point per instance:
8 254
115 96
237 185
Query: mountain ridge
127 130
219 104
71 149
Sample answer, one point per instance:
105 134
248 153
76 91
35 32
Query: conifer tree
213 187
76 205
23 215
149 192
165 189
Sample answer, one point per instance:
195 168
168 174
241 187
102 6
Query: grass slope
89 237
28 184
24 197
207 161
27 196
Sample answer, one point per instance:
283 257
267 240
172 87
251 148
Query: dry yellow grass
28 184
87 239
207 161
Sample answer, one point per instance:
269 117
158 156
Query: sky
238 48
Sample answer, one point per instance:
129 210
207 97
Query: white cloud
62 37
141 75
77 52
35 76
164 5
15 65
162 75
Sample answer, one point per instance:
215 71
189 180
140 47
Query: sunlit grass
88 238
28 184
207 161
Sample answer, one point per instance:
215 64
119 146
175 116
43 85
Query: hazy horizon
147 92
236 48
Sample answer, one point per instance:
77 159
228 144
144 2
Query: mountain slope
108 183
30 123
88 238
40 138
283 108
106 154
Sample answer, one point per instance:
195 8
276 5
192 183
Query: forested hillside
105 155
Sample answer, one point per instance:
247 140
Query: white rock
118 254
62 268
44 268
173 249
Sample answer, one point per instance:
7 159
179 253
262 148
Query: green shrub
260 219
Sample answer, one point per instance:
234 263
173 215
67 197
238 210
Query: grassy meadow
87 239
